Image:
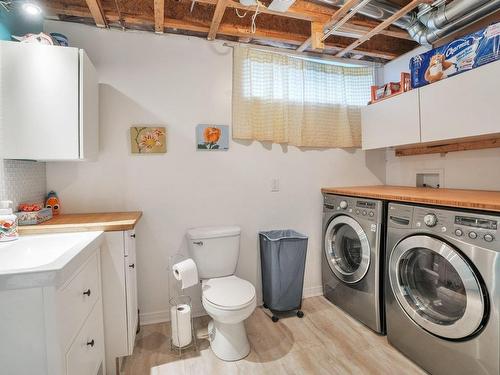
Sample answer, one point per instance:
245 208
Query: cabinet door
131 285
39 101
461 106
391 122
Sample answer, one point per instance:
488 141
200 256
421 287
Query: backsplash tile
22 181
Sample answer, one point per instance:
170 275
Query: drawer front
76 299
86 354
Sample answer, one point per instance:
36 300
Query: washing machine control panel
366 209
473 228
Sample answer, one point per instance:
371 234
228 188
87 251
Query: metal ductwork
431 22
429 33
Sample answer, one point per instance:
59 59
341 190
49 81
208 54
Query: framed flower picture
148 140
212 137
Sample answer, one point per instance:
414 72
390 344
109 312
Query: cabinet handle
91 343
87 293
132 235
199 243
132 265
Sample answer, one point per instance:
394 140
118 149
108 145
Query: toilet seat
228 293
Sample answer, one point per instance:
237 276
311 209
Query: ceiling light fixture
31 9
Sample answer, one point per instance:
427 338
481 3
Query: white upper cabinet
48 103
465 105
390 122
462 106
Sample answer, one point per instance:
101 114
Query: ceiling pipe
430 23
426 35
437 18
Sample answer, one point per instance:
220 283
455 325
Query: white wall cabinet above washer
465 105
391 122
48 103
457 107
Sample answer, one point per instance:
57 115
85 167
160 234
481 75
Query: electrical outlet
275 184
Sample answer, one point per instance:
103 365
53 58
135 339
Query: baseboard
162 316
313 291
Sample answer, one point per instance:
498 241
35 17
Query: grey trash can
283 259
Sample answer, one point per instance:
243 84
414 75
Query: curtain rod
317 56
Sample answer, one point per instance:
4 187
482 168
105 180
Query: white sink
41 256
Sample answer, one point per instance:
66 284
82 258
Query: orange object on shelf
391 89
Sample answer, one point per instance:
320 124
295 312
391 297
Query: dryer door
347 249
436 287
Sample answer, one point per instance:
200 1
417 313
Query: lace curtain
301 102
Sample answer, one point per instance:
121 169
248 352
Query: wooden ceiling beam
341 12
97 12
220 8
159 9
238 31
307 11
400 13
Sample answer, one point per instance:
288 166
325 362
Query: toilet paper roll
186 272
180 318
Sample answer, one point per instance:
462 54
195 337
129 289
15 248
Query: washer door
347 249
436 287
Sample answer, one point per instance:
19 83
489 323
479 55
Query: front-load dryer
443 288
352 258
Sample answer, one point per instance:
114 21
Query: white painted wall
181 82
462 170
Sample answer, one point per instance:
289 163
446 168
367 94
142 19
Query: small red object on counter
30 207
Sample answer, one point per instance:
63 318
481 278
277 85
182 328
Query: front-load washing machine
352 257
443 288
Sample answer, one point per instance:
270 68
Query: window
302 102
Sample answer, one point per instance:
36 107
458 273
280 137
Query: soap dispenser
8 222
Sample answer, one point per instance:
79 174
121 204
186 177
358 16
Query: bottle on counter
8 222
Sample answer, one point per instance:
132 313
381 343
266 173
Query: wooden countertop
106 221
471 199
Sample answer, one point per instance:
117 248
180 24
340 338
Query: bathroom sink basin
42 256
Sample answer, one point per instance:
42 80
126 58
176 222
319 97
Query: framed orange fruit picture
212 137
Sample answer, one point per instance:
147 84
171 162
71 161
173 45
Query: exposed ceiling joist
317 36
341 12
400 13
159 8
97 12
307 11
220 8
229 27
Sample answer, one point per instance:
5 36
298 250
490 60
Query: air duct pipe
431 23
427 35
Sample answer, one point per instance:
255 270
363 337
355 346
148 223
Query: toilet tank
215 250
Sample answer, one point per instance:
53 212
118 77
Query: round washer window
347 249
433 287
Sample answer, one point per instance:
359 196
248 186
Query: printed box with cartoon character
460 55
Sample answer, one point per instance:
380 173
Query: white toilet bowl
229 301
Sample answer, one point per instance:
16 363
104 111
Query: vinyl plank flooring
325 341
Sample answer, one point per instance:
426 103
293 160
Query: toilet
227 299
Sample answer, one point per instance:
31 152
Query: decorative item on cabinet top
148 140
212 137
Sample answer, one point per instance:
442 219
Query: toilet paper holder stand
179 301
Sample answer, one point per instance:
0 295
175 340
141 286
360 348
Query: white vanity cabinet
119 295
55 329
48 103
390 122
